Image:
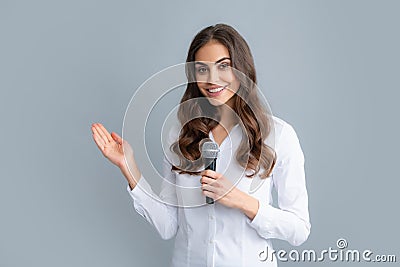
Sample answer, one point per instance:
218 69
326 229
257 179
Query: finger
101 133
212 174
210 194
99 142
208 173
116 137
105 132
96 130
207 187
96 134
207 180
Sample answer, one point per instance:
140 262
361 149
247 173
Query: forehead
211 51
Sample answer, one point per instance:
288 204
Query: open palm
111 145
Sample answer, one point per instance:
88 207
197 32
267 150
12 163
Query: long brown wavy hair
252 153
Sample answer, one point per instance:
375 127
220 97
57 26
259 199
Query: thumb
116 137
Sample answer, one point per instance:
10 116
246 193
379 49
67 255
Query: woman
237 229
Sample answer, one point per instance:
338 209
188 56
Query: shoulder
282 129
286 141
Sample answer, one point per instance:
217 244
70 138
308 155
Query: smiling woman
242 221
224 73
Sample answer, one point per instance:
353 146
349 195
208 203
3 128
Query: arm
152 207
155 209
290 221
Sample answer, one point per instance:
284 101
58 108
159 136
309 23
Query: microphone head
209 150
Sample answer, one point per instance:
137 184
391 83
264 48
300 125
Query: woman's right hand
115 149
111 145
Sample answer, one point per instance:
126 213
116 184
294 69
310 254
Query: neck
228 115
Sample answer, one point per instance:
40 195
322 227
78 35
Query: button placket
211 235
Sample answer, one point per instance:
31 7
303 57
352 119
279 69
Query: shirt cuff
140 194
263 222
141 189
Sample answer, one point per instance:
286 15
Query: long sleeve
290 221
157 210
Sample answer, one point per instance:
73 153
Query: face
214 75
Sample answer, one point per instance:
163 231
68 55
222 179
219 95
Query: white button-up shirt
216 235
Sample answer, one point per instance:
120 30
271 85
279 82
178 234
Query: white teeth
215 90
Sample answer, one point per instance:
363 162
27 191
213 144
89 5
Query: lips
215 90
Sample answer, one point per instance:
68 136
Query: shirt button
211 241
211 217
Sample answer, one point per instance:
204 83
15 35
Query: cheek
230 78
234 86
201 78
227 76
201 85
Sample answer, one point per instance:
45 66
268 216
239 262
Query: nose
213 76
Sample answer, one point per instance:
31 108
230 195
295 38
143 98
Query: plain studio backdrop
329 68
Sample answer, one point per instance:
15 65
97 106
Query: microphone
209 151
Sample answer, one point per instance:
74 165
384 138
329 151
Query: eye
201 70
224 66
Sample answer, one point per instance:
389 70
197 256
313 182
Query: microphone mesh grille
210 149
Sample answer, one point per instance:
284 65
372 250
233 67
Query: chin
216 102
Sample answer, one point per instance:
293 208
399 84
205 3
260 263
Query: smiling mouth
216 90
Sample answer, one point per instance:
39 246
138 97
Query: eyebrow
222 59
216 62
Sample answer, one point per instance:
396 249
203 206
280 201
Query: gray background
327 67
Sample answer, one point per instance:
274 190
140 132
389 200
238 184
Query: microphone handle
213 167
